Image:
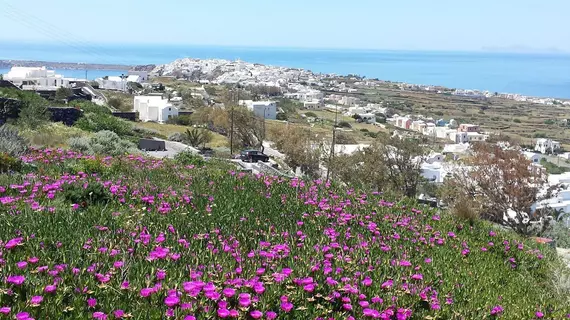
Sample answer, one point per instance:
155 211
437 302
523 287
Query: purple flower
223 313
36 300
91 302
171 301
12 243
50 288
497 310
539 314
418 276
5 310
23 316
286 306
99 315
189 317
16 280
270 315
145 292
256 314
228 292
21 264
118 313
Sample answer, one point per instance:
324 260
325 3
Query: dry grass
54 135
168 129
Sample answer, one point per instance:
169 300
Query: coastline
9 63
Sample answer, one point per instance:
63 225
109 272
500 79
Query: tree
115 102
197 137
301 147
63 93
503 186
33 112
390 164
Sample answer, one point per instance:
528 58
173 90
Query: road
172 149
557 161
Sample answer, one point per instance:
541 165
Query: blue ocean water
542 75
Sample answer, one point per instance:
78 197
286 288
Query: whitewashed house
37 78
546 146
367 117
143 75
533 157
459 137
154 108
262 109
313 105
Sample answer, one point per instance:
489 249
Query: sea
531 74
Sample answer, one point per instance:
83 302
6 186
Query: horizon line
484 49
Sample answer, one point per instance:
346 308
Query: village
331 94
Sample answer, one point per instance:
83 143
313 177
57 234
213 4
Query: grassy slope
227 226
168 129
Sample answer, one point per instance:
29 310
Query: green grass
177 224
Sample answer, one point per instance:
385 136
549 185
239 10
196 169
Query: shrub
11 142
177 137
311 114
95 122
344 138
95 193
549 122
183 120
115 103
516 120
9 163
187 158
344 124
103 143
281 116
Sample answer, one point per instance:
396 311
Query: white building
367 117
476 137
546 146
117 83
349 101
533 157
143 75
313 105
154 108
459 137
262 109
36 78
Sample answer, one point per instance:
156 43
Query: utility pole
232 122
333 143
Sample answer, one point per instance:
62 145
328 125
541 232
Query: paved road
557 161
172 149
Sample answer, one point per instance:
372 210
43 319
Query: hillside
85 237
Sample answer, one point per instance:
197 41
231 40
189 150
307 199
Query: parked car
253 156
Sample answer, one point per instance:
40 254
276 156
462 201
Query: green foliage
344 124
94 194
184 120
549 122
9 163
11 143
90 107
344 138
115 103
552 168
197 137
560 233
95 122
103 143
9 108
516 120
281 116
63 93
539 135
33 112
188 158
310 114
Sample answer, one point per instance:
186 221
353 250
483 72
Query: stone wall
131 116
66 115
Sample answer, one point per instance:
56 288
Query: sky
446 25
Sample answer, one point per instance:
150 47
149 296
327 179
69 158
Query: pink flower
286 306
387 284
145 292
118 264
23 316
125 285
5 310
91 302
270 315
189 317
367 282
228 292
223 313
118 313
418 276
99 315
497 310
21 264
12 243
50 288
16 280
256 314
539 314
171 301
36 300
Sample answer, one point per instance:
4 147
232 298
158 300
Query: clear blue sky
371 24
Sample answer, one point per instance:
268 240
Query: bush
183 120
311 114
177 137
11 143
560 233
187 158
103 143
344 124
344 138
115 103
281 116
95 122
9 163
95 193
549 122
516 120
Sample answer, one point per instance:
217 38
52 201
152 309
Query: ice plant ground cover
105 238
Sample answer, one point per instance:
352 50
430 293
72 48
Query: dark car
253 156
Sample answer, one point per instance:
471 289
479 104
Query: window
169 109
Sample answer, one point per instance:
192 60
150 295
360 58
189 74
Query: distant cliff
7 64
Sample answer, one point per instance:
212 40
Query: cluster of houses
441 129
